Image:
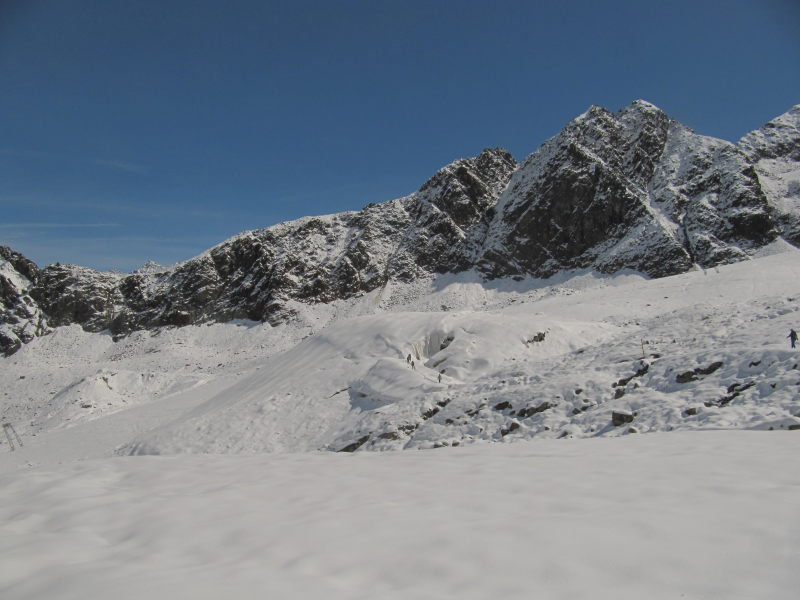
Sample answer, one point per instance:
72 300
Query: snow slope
533 358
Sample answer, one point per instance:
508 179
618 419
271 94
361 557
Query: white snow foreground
695 514
700 515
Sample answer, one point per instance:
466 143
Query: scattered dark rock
512 427
642 370
532 410
443 403
709 369
576 411
502 406
539 337
794 427
690 412
688 376
355 445
390 435
408 428
475 411
430 413
619 393
740 387
754 363
620 418
733 391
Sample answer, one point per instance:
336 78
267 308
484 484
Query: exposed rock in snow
584 355
20 317
775 151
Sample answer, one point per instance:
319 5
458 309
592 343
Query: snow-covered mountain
632 190
439 323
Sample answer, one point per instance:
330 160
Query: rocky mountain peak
780 138
20 317
22 265
626 190
464 189
774 152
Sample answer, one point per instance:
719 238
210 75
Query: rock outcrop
629 190
20 317
774 151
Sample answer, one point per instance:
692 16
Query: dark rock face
71 294
710 191
631 190
628 190
25 267
774 152
20 317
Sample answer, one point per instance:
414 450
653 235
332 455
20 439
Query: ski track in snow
695 513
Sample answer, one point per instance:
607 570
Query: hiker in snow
440 378
412 366
792 337
408 359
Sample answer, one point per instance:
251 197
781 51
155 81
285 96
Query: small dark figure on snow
792 337
408 359
413 368
440 378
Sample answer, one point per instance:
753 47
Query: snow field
680 515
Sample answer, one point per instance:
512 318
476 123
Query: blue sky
133 130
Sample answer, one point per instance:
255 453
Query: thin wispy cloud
56 225
121 165
124 253
109 163
117 208
28 153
